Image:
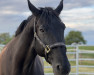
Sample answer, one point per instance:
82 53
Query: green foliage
86 47
5 38
74 37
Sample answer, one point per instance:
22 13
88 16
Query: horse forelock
48 14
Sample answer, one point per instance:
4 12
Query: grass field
83 47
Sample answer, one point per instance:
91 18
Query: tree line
5 38
75 37
71 37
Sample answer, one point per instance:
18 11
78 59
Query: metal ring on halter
47 49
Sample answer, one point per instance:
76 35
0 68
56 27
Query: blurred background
77 15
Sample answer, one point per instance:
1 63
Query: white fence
77 52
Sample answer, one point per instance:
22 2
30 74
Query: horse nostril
59 67
63 69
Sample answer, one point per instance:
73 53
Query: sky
77 15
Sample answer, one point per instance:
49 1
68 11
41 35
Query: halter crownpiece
47 48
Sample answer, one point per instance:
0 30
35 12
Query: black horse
41 34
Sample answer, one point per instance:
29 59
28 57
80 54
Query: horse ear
33 9
59 8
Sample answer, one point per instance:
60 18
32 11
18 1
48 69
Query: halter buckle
47 48
35 34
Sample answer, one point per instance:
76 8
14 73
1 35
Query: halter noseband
46 47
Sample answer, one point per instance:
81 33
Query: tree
74 37
5 38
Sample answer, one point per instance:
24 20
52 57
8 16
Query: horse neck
24 58
29 61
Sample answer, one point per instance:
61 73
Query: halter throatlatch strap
46 47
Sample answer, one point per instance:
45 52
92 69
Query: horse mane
22 26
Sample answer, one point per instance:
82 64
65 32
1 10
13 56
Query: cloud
79 18
21 5
69 4
4 12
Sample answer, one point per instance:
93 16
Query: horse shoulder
4 54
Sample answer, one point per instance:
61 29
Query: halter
47 48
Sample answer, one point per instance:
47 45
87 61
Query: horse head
49 37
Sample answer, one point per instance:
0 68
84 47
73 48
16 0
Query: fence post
77 60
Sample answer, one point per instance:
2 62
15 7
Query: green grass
70 48
86 47
73 63
83 47
84 55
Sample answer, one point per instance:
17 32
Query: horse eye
41 30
